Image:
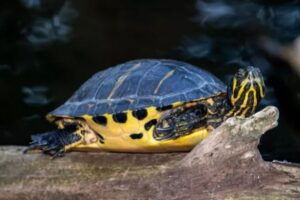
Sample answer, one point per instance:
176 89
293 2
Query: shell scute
140 84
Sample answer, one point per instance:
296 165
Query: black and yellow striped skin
245 92
132 134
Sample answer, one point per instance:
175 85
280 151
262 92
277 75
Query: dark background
48 48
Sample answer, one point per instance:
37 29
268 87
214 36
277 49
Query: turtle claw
59 153
164 133
164 130
31 147
53 142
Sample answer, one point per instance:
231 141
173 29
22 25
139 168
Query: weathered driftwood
226 165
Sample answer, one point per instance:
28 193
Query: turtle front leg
180 121
54 143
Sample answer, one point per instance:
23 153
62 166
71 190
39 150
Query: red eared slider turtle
148 106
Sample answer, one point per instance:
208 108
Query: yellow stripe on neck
243 84
261 91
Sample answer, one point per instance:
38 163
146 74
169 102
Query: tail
53 142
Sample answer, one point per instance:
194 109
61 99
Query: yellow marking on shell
176 104
130 100
111 126
169 74
121 79
149 144
132 124
117 135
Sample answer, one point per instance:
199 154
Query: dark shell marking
164 108
140 114
140 84
100 120
149 124
100 136
120 117
135 136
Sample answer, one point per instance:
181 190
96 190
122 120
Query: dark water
48 48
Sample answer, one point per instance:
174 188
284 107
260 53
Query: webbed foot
54 142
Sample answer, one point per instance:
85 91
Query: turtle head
245 91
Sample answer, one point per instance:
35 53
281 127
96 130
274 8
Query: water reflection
278 19
54 28
35 95
31 3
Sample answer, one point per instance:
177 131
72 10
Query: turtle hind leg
54 142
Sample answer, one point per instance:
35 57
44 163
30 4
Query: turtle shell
139 84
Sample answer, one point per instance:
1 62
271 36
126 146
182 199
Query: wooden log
225 165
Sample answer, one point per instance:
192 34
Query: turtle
148 106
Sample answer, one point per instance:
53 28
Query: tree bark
225 165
